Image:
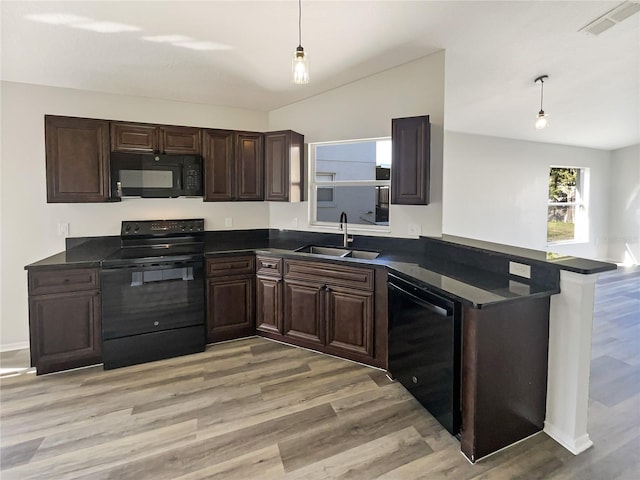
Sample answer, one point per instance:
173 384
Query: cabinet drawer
329 274
224 266
271 266
63 280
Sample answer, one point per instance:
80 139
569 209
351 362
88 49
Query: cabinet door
411 143
64 331
219 172
77 159
180 140
249 158
269 304
349 321
134 137
230 312
283 170
304 312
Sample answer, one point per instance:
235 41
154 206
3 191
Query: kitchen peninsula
477 276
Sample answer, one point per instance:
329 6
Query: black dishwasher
424 349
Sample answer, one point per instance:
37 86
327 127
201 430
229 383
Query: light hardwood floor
256 409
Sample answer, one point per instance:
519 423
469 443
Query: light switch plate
63 229
228 222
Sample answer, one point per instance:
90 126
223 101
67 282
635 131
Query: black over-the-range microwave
153 175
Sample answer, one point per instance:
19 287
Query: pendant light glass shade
542 119
300 62
300 66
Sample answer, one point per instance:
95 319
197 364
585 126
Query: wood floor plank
367 460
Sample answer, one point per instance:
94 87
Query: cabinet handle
269 265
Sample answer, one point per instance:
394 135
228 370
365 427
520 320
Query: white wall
364 109
624 211
495 189
29 224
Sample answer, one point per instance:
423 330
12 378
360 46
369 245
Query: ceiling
494 51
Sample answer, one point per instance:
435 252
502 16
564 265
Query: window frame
313 186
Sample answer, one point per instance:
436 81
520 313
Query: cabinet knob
156 323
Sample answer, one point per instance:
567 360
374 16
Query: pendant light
300 63
542 119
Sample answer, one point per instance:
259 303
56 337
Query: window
567 218
352 177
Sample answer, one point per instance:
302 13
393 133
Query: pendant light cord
541 92
299 23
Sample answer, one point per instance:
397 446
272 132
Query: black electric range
153 292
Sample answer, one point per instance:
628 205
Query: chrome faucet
345 235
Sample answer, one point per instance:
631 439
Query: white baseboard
8 347
574 445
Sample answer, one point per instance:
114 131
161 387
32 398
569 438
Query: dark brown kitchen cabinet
304 304
64 319
77 159
218 161
249 159
330 308
230 297
410 165
349 321
283 166
269 295
149 138
233 165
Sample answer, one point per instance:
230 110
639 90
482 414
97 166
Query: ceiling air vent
612 17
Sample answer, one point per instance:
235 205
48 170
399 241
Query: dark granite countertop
583 266
474 286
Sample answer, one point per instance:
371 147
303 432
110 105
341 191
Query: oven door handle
443 311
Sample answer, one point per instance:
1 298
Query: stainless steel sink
338 252
364 254
331 251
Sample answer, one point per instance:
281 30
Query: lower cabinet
230 298
322 306
349 319
304 305
64 319
268 304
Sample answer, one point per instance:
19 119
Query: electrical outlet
294 222
520 269
413 229
63 229
228 222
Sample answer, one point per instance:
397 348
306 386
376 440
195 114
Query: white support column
570 332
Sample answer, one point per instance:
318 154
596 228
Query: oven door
139 299
146 175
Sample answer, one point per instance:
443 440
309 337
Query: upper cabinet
411 140
218 165
233 165
283 166
78 150
77 159
146 138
